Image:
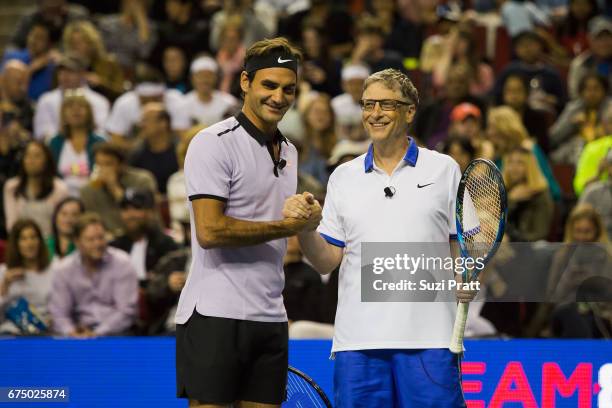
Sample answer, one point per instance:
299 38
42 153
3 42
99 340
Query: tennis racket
481 219
303 392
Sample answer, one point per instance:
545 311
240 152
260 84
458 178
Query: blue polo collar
411 156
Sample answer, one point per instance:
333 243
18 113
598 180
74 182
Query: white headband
148 89
204 64
355 72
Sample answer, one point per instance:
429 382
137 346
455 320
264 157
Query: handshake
302 212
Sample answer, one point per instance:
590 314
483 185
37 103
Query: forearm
233 232
323 256
116 322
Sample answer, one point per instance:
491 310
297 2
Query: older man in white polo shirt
389 353
206 105
231 336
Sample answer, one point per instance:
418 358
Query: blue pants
398 379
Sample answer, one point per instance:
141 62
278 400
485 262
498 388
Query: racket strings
482 205
301 394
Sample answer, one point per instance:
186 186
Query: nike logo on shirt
282 61
423 185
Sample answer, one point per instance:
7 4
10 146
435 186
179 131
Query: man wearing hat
127 109
232 331
346 106
598 58
70 75
143 238
205 105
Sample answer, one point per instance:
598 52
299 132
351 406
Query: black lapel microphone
281 164
389 191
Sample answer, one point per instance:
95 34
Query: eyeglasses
368 105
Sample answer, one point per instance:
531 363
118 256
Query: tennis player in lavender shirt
231 339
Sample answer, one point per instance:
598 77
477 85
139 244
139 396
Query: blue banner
139 372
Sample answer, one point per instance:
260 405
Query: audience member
466 122
253 27
571 31
165 285
112 176
127 110
25 273
104 74
392 14
40 58
321 70
129 35
591 164
461 149
142 238
95 289
599 195
157 153
61 241
580 121
506 132
519 16
15 103
597 58
55 14
175 67
36 190
205 105
530 207
72 148
436 45
11 149
347 109
368 50
70 76
433 120
230 56
320 137
547 90
462 50
515 94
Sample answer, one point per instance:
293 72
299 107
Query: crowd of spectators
99 101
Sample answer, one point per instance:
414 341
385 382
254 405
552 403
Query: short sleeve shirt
230 161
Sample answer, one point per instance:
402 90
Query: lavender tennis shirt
231 161
105 301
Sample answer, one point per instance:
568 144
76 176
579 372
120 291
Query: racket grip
456 345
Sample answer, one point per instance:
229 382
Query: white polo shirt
356 210
230 161
207 113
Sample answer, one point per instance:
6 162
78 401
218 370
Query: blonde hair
585 211
91 34
535 179
70 98
328 137
508 123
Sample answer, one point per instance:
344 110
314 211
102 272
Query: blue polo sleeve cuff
452 236
333 241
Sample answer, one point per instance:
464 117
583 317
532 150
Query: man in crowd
95 289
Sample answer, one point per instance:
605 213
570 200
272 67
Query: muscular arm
214 229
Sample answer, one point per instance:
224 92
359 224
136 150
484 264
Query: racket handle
456 345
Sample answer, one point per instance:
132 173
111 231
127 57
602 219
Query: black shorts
219 361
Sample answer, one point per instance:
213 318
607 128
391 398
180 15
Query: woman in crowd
506 132
230 56
462 50
72 149
104 75
461 149
515 93
36 190
572 31
320 137
65 215
581 119
321 70
530 207
176 69
26 273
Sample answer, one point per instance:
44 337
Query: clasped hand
304 211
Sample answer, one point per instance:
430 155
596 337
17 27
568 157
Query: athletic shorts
219 360
420 378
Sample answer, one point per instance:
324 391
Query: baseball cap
600 24
138 198
355 71
463 111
